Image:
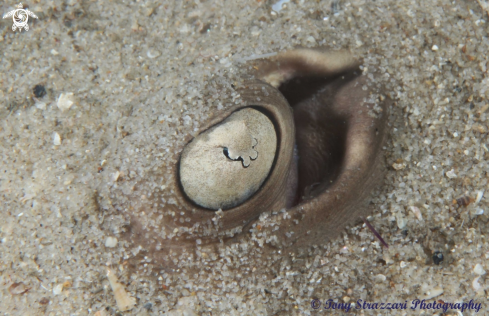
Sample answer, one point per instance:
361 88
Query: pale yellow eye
222 167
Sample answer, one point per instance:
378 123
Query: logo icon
20 17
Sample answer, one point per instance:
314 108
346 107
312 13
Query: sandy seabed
125 83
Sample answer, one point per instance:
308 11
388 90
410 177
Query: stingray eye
225 165
302 147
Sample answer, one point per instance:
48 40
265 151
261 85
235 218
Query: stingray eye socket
225 165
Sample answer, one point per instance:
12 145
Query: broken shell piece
110 242
58 289
451 174
115 176
380 278
40 105
416 212
401 220
56 139
478 269
123 300
65 101
225 165
18 288
476 285
433 293
480 194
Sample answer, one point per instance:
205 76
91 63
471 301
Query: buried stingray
287 168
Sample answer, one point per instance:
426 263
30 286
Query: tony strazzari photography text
416 304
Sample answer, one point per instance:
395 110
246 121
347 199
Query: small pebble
115 176
398 166
464 200
278 6
479 211
437 257
111 242
148 306
153 53
478 269
56 139
476 285
451 174
40 105
401 220
39 91
58 289
416 212
434 48
65 101
480 194
311 39
380 278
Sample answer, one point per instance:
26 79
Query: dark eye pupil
226 153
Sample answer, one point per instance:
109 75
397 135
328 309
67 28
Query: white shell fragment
225 165
480 194
434 292
123 300
451 174
476 285
56 139
58 289
65 101
40 105
153 53
478 269
401 220
277 7
115 176
110 242
416 212
380 278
